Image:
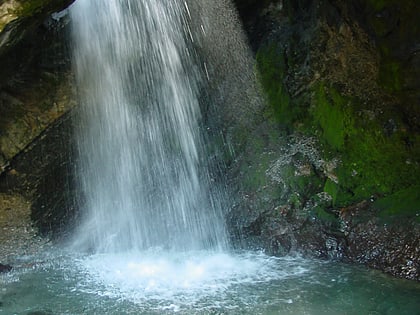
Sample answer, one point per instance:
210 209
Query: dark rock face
44 174
340 136
18 19
54 209
36 96
35 85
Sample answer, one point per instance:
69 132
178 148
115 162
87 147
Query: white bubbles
182 278
200 282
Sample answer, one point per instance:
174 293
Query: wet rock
44 173
36 96
341 74
18 237
35 81
18 19
5 268
387 243
40 313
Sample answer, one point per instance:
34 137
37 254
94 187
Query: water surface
200 282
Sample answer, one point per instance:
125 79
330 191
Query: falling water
143 173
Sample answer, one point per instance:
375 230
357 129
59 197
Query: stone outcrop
34 80
36 96
333 170
19 19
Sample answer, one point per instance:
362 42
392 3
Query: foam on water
177 278
200 282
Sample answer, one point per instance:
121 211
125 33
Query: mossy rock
332 189
375 160
403 203
379 152
272 68
333 116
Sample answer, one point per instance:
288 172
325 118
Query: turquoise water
200 282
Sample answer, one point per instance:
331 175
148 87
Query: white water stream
143 165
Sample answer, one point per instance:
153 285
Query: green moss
373 162
376 164
32 7
332 189
295 201
331 115
325 216
255 179
272 68
377 5
304 185
321 211
405 203
390 76
255 176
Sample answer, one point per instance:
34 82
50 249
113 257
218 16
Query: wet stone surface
17 236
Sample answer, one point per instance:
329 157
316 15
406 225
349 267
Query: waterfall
142 161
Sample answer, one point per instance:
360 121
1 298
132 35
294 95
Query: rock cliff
34 88
36 95
333 170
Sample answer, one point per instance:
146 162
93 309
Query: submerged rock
40 313
5 268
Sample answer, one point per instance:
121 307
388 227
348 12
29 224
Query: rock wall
34 77
36 97
333 170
